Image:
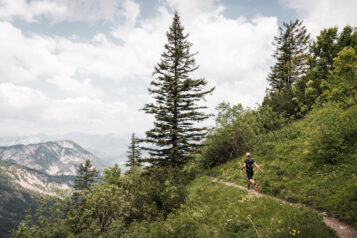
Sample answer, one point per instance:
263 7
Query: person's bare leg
255 184
251 181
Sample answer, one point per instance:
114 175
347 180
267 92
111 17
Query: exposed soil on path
342 230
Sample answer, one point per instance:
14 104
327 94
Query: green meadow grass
216 210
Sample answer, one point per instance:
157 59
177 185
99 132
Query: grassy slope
216 210
291 172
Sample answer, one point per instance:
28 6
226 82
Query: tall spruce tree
176 105
291 55
134 153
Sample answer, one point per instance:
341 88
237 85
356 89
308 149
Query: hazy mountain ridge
109 147
53 158
25 140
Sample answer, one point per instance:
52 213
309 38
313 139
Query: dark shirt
249 163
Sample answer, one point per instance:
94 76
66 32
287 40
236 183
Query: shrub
238 131
108 207
332 132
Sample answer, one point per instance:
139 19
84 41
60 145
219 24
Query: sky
86 65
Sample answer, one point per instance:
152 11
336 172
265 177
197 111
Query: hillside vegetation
312 161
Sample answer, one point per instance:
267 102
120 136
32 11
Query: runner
248 164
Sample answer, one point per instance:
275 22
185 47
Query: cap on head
247 154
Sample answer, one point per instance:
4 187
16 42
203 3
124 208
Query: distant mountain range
108 147
20 187
53 158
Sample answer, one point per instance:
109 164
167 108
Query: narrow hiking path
342 230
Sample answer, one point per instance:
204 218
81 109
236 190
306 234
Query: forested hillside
304 136
21 187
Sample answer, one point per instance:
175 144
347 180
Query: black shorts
250 174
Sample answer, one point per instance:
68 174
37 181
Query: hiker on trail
248 164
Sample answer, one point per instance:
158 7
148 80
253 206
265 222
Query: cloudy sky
85 65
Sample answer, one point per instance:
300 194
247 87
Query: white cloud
19 97
84 110
321 14
29 11
64 10
234 55
28 58
60 60
27 110
191 10
131 12
76 87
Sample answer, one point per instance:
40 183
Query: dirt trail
342 230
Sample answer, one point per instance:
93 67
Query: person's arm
243 166
256 165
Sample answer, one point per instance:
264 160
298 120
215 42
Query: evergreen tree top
134 152
291 48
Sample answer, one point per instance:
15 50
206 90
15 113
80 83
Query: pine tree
291 55
134 153
85 177
76 208
176 102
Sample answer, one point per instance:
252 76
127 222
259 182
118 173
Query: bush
226 144
333 131
164 190
238 131
108 207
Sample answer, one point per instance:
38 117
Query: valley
29 172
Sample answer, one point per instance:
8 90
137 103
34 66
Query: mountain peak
54 158
69 144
